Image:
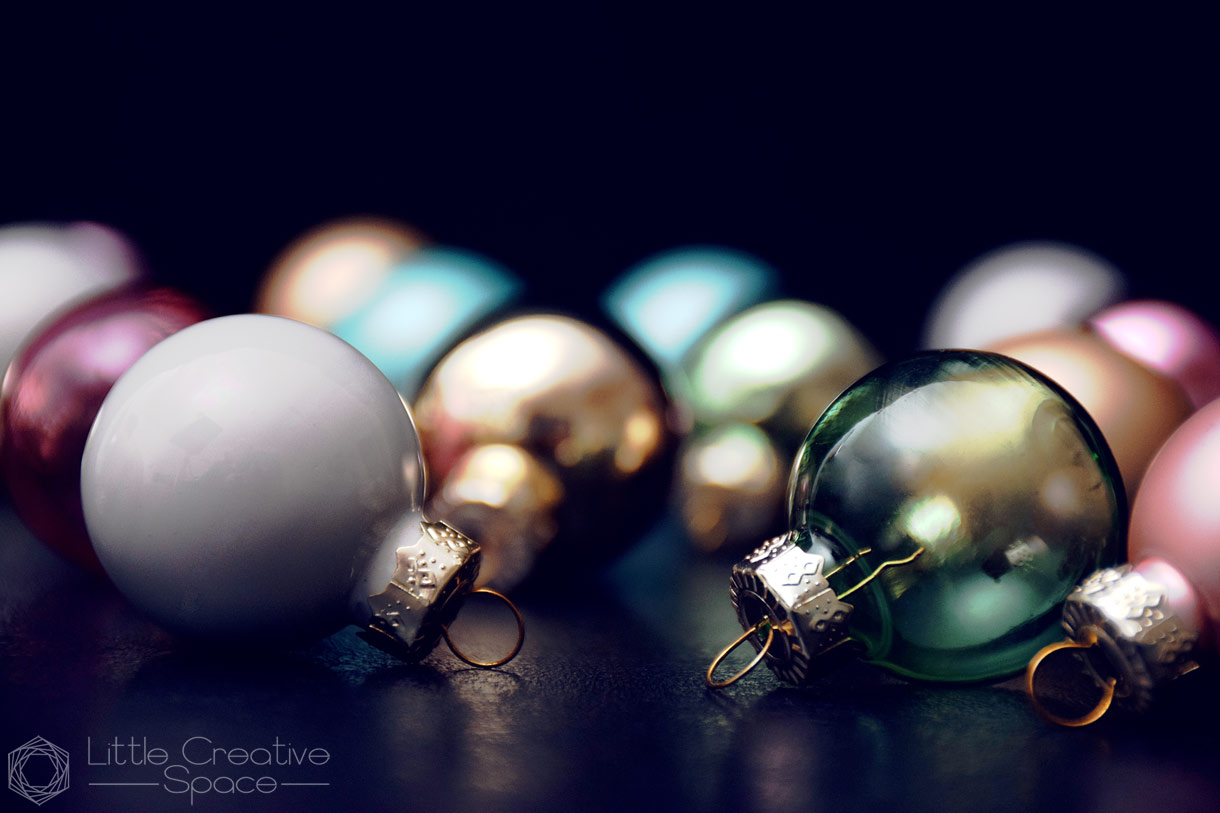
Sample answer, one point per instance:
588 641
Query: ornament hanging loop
462 656
712 683
1098 711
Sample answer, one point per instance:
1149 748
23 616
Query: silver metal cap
1141 640
784 584
433 577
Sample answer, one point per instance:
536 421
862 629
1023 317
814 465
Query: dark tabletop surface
604 709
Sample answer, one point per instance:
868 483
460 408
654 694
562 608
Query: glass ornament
52 394
939 512
255 479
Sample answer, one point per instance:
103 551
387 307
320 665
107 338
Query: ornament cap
433 578
1133 640
782 586
1142 641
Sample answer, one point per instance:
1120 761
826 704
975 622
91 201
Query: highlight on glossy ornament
1136 407
669 301
422 307
52 394
939 512
255 479
1019 289
731 485
1168 338
46 267
578 405
331 270
1143 624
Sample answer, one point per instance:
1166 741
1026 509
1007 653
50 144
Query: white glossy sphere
242 473
45 267
1020 289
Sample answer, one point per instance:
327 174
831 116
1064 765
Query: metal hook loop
516 647
1092 716
724 653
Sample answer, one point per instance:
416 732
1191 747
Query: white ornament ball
243 479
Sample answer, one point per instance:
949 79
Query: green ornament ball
949 502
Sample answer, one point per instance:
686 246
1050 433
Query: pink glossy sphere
52 393
1176 513
1171 340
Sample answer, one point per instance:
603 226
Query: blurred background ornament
591 431
669 301
775 366
1146 623
46 267
52 394
331 270
422 307
1136 407
253 479
1168 338
955 497
1019 289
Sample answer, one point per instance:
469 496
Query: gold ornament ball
1135 407
562 391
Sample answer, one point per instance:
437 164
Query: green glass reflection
1001 479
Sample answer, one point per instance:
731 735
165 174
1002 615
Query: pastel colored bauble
669 301
1019 289
250 478
1136 407
52 394
1170 339
46 267
1175 517
426 303
331 270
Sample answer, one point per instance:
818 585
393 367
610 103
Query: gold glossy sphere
332 269
563 392
731 487
1135 407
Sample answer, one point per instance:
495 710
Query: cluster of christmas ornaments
262 477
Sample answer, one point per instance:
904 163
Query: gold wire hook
516 648
1098 711
892 563
848 561
724 653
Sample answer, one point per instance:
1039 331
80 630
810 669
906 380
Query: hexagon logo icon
38 770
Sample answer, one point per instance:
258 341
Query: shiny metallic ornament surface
333 269
941 510
52 394
47 267
1168 338
731 486
563 392
506 498
1136 407
1019 289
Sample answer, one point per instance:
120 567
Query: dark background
867 155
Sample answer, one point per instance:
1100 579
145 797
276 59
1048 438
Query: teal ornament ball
940 511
